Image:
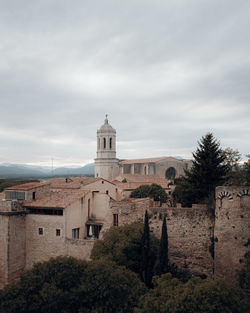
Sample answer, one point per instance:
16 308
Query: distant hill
12 171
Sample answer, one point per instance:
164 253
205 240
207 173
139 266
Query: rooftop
59 199
28 186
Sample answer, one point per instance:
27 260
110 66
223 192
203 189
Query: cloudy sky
167 72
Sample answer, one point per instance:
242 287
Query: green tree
247 171
67 285
163 261
207 172
146 268
123 245
236 173
195 296
154 191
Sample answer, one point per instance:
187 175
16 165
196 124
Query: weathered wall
190 230
231 233
12 246
4 224
43 247
17 242
189 234
80 249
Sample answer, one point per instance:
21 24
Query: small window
40 231
107 192
75 233
110 143
104 143
102 182
58 232
33 195
115 219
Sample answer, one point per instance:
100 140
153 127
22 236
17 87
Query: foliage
247 171
195 296
244 274
5 183
236 174
207 172
68 285
154 191
123 245
147 262
163 261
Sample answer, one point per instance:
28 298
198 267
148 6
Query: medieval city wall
190 232
232 230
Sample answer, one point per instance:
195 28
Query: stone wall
4 225
12 246
43 247
190 232
231 233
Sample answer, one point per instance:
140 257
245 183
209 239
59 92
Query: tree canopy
68 285
195 296
154 191
208 171
123 245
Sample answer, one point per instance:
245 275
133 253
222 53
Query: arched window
145 170
170 173
104 143
99 143
110 143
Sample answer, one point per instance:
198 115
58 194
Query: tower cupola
106 164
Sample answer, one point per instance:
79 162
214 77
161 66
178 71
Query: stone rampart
232 230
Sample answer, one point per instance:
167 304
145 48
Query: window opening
75 233
104 143
33 195
110 143
58 232
115 219
40 231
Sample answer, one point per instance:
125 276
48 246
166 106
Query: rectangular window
42 211
33 195
75 233
40 231
14 195
115 219
58 232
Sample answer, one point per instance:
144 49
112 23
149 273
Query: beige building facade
109 167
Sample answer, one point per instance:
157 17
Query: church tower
106 164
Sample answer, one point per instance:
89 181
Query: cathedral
109 167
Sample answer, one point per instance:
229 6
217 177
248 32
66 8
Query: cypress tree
163 253
146 262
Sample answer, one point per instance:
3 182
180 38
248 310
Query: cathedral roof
147 160
106 127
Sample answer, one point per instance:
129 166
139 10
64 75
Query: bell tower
106 163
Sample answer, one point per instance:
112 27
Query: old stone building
111 168
66 216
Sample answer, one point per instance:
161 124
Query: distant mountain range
11 171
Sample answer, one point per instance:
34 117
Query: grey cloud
167 72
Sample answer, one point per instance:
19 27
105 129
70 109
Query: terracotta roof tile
28 186
146 160
72 182
60 199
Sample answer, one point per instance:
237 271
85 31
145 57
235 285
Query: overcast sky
167 72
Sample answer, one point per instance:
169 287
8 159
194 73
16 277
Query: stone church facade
109 167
